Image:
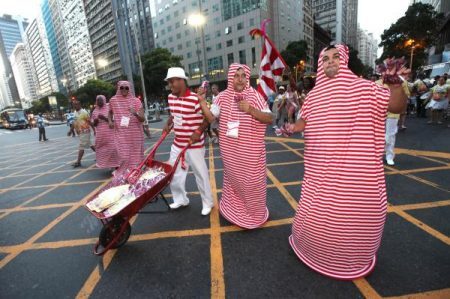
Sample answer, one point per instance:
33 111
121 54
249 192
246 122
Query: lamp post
411 42
197 21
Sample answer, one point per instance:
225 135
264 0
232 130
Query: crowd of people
348 124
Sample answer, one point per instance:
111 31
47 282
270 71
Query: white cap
175 72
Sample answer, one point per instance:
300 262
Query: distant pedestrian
41 127
105 148
82 126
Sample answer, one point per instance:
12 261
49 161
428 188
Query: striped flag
272 64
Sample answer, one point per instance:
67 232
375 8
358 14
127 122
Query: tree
419 24
354 63
155 64
87 93
294 52
42 105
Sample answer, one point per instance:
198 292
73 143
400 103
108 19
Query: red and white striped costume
129 139
105 149
188 109
243 199
342 210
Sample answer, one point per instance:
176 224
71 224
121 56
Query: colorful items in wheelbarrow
114 199
108 198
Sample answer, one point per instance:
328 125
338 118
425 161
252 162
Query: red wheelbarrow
116 228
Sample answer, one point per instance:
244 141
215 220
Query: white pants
391 133
196 159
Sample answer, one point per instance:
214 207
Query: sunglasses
124 87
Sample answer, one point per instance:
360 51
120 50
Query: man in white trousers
392 120
188 123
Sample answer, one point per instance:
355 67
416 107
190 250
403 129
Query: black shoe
76 164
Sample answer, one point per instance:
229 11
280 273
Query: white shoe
174 206
390 162
275 127
206 211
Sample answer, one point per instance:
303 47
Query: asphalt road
47 236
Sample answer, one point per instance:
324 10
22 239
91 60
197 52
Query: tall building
224 38
52 42
23 73
322 39
367 48
11 33
38 48
65 22
352 23
116 28
331 15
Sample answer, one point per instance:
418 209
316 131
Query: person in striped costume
340 218
189 126
244 115
126 116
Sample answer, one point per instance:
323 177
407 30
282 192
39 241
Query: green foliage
155 65
294 52
419 23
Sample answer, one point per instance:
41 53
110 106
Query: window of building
215 63
242 58
240 26
177 25
188 44
219 46
218 33
253 57
180 46
229 43
241 39
189 55
207 37
227 30
178 35
230 58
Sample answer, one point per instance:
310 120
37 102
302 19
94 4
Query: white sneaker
174 206
275 127
390 162
206 211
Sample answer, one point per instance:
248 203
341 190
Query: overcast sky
373 16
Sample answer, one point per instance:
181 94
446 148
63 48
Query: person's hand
167 128
244 106
111 125
132 111
201 97
195 137
102 117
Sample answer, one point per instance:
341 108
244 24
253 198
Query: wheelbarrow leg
165 201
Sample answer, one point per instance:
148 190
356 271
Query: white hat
175 72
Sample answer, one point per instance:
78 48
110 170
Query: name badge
178 121
233 129
124 121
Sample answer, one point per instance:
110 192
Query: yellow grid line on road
362 285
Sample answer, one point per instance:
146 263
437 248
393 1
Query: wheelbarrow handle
181 157
134 175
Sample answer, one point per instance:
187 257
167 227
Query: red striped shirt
187 109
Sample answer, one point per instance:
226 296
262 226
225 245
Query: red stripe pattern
340 218
105 149
188 109
129 140
272 64
243 200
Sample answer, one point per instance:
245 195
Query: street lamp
197 20
410 42
102 62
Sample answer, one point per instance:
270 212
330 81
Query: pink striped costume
105 149
243 199
129 139
342 210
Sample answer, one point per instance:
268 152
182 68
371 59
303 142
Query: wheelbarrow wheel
111 230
